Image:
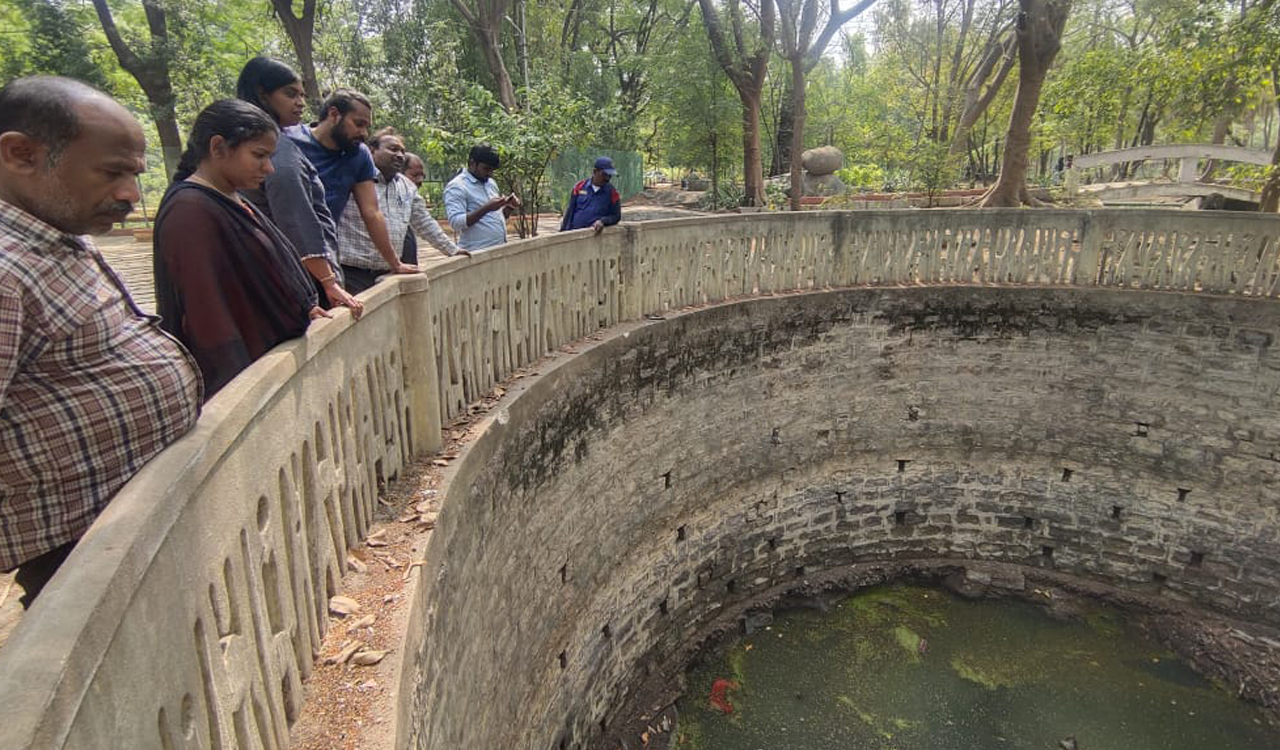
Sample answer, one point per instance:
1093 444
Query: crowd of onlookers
268 224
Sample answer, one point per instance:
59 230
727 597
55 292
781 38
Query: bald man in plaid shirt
90 387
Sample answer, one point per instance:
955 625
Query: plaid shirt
90 387
403 208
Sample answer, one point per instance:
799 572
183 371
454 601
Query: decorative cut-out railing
192 611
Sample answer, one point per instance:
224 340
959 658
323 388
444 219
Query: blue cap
606 164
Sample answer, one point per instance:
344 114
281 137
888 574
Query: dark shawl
228 284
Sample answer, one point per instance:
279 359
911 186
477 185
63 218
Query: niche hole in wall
1116 510
681 534
902 464
1182 494
564 659
899 517
1197 559
564 573
1046 552
1028 523
1141 429
1066 474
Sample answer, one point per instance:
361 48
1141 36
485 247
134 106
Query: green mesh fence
573 164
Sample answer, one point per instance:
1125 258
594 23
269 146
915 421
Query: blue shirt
465 194
338 170
590 202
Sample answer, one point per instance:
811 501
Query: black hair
236 121
484 154
42 108
344 100
375 140
259 77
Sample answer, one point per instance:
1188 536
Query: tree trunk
170 139
486 24
152 74
492 48
1221 127
752 168
746 66
782 137
1040 27
301 33
797 128
976 99
1269 201
798 24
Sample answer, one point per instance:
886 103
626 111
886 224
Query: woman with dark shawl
228 284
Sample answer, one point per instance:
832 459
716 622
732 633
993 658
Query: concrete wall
190 612
636 491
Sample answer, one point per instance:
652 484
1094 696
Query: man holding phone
473 205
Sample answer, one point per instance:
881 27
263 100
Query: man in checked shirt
403 207
90 387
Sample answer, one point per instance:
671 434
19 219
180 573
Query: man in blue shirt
594 203
473 205
335 147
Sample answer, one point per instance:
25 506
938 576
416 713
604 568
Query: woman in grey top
292 195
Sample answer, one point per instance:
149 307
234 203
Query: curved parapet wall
636 492
192 609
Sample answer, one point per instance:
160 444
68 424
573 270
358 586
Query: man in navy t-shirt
594 203
335 147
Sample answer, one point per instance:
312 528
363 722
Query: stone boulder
822 160
823 184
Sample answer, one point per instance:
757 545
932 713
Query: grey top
293 197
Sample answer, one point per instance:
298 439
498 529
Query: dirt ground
349 706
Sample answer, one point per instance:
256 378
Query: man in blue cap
594 203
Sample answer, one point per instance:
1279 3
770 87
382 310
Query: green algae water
914 668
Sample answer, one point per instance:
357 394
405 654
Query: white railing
190 613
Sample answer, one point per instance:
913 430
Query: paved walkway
132 260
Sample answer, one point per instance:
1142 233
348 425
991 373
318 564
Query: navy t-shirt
339 170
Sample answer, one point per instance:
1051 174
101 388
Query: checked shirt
90 387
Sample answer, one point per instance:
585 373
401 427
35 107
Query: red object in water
720 695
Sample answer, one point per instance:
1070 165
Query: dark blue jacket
585 206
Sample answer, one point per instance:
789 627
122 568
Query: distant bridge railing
192 610
1187 154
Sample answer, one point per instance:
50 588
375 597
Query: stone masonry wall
635 490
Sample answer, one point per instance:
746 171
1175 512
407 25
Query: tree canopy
918 94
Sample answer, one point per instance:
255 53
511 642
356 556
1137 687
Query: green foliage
638 75
723 195
56 44
867 176
528 138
